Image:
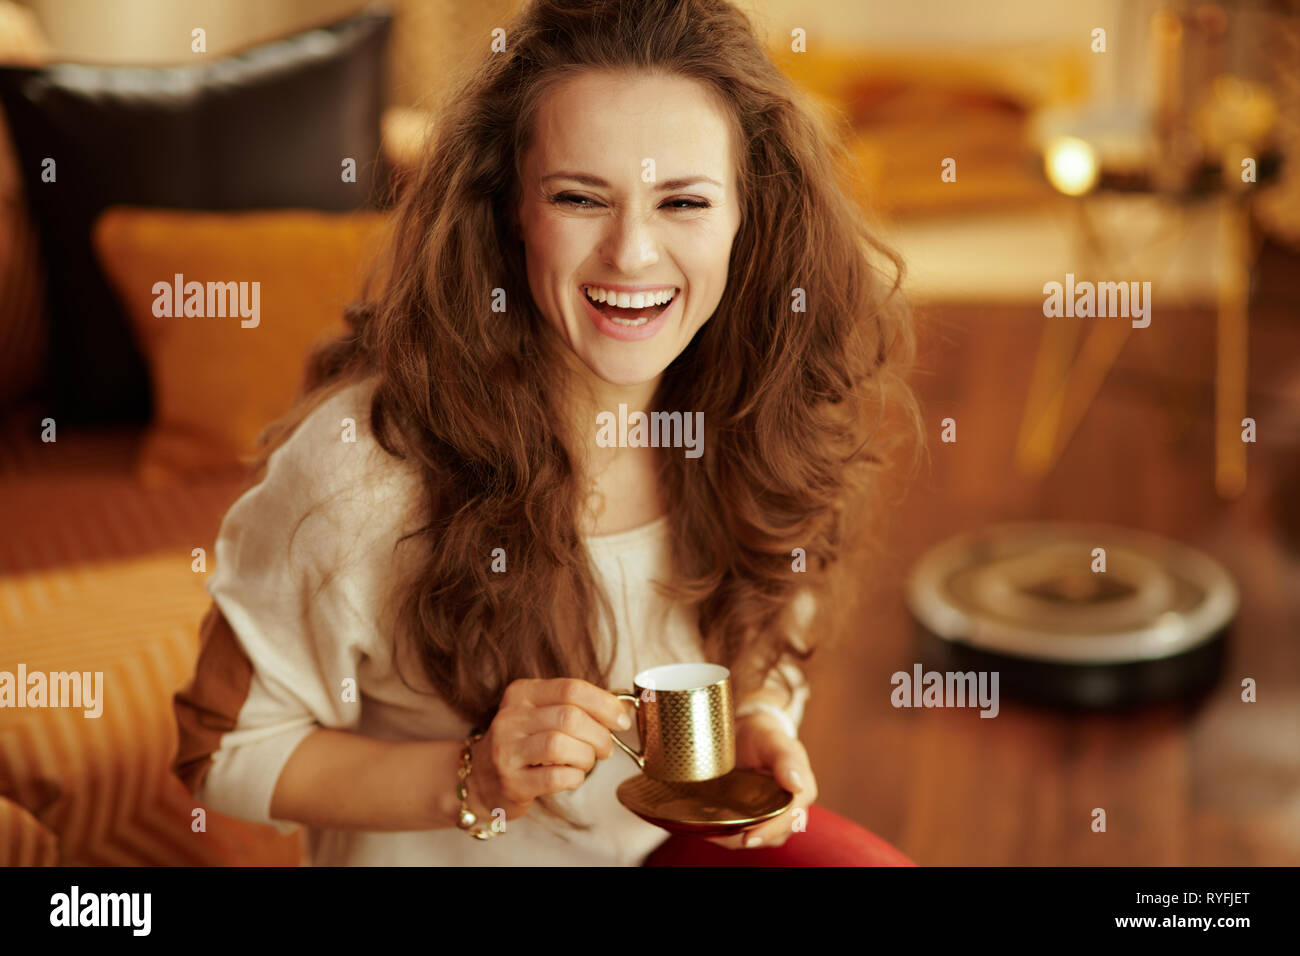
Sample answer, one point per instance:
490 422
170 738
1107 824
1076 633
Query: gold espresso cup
685 719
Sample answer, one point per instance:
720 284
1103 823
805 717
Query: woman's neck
621 484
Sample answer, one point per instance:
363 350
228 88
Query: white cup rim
682 677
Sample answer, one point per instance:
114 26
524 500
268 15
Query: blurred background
997 147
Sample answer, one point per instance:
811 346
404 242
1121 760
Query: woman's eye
582 202
571 200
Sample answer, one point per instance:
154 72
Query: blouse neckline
624 539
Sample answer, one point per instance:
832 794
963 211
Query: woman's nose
631 244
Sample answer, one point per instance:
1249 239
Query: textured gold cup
686 734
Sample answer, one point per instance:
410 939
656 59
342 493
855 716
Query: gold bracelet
467 820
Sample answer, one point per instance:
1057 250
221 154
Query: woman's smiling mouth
629 316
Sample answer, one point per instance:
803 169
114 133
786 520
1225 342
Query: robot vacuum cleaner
1032 602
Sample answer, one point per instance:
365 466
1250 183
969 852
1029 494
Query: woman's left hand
762 744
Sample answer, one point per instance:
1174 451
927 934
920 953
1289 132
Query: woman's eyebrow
668 184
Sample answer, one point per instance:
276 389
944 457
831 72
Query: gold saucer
728 804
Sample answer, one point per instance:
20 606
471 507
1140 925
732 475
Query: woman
628 210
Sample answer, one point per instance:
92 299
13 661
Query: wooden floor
1217 784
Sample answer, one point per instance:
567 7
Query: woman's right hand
545 738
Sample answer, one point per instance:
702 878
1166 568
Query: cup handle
636 701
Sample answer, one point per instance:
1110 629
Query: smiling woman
658 209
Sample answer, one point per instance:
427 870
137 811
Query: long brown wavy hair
795 403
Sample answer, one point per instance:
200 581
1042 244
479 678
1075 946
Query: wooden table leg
1102 348
1063 387
1036 446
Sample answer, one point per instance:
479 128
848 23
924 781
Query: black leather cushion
267 128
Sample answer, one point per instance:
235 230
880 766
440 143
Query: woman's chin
624 371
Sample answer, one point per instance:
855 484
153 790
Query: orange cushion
219 380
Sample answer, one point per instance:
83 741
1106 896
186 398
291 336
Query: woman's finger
542 781
555 748
732 842
786 760
791 766
603 706
772 833
573 720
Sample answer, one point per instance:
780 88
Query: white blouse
306 611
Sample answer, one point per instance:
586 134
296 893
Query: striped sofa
95 575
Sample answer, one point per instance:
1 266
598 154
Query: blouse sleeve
296 563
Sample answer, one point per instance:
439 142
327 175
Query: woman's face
629 186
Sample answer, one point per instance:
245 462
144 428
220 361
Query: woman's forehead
609 125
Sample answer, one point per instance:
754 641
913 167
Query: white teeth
624 300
